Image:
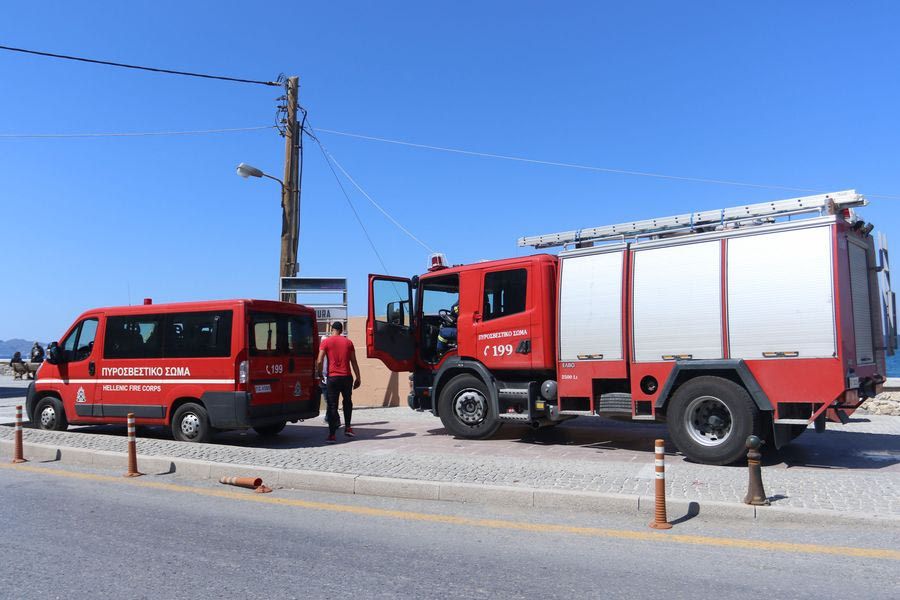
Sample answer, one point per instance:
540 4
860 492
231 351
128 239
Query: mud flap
781 435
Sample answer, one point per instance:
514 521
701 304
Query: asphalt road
79 534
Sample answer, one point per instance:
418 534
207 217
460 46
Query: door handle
291 365
92 368
476 316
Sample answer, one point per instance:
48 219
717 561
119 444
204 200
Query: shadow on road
833 449
289 439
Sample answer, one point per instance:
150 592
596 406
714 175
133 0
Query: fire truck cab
722 324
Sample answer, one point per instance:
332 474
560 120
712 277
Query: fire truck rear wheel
270 430
49 414
710 419
465 408
191 423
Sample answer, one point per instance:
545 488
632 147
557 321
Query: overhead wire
139 67
568 165
349 177
132 134
350 203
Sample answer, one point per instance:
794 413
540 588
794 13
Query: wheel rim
708 421
470 407
48 417
190 425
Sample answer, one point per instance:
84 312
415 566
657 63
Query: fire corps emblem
297 389
79 397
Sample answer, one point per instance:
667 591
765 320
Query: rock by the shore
887 403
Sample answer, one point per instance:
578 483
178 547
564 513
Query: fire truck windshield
437 293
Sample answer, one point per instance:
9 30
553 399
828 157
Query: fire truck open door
389 326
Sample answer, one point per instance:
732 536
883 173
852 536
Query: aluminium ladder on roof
820 203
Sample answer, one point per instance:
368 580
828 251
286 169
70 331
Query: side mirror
53 354
395 313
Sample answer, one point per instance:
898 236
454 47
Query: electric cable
311 132
568 165
131 134
352 207
139 67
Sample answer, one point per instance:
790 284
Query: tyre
710 419
49 415
465 408
190 423
270 430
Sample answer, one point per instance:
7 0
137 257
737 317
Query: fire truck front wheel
190 423
710 419
465 408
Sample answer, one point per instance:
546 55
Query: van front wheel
50 415
191 424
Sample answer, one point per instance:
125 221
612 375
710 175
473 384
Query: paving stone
851 468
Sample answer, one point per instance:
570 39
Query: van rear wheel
190 423
710 419
270 430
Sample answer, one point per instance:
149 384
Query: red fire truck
196 367
758 319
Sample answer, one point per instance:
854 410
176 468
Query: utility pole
290 190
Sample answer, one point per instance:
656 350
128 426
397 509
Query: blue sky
798 94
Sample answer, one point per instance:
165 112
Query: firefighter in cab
447 334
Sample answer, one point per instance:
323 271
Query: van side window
197 334
300 335
265 334
133 336
504 293
174 335
80 342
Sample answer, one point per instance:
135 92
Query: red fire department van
197 367
723 323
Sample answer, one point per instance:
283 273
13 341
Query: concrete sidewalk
849 471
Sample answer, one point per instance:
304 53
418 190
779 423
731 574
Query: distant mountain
10 347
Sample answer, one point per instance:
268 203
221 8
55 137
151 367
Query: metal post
19 455
132 449
756 495
659 518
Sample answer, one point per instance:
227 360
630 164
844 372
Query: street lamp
290 225
245 171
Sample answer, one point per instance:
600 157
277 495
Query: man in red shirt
341 356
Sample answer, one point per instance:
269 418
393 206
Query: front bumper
29 402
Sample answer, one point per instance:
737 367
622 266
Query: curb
473 493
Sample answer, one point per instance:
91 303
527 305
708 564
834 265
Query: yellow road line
695 540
